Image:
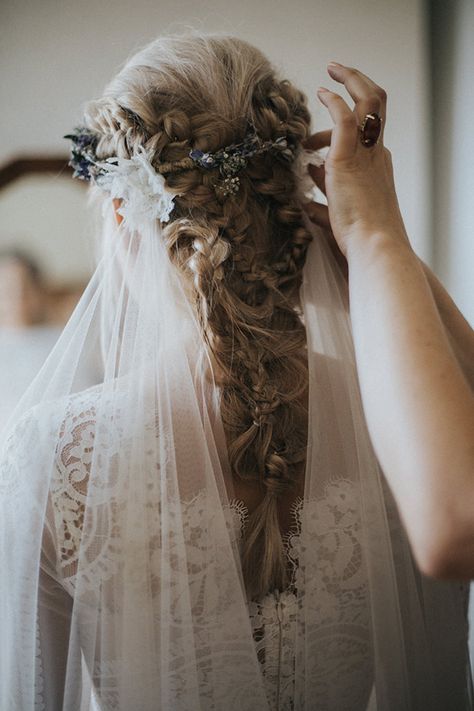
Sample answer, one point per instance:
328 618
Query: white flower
306 186
142 190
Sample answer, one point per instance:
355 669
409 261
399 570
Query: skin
117 202
414 350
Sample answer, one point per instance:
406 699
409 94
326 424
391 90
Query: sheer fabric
121 584
23 351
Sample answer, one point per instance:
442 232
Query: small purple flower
205 160
83 153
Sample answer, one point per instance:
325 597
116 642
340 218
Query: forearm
459 332
418 404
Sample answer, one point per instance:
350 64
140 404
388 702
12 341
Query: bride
207 526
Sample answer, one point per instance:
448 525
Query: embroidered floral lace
334 525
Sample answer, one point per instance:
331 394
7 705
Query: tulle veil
121 585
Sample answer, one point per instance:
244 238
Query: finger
359 86
318 140
318 213
318 174
367 95
345 132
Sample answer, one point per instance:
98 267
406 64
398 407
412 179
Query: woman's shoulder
39 434
44 418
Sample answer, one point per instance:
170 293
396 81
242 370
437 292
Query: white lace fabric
273 619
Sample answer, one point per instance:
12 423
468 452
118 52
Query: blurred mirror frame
59 280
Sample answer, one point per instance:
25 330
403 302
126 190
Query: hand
318 212
357 180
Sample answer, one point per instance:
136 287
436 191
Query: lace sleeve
53 620
40 625
60 542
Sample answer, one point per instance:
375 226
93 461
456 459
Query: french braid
241 255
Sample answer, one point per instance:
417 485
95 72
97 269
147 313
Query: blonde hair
242 255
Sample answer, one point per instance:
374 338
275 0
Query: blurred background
57 54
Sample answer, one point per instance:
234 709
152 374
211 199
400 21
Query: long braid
242 255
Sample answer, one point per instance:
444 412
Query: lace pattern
333 595
326 593
274 619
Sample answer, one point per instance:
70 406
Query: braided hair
241 255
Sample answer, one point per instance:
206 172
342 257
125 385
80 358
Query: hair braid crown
241 256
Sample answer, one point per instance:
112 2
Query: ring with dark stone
370 130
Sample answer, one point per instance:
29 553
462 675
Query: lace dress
313 640
331 595
274 618
333 592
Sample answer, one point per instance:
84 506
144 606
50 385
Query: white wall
46 216
56 54
453 148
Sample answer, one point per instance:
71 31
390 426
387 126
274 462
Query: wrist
371 243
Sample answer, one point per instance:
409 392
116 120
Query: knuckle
348 120
375 100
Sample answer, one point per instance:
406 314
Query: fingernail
335 64
322 88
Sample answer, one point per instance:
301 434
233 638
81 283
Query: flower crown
141 185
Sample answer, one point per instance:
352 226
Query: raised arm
419 405
458 330
413 348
